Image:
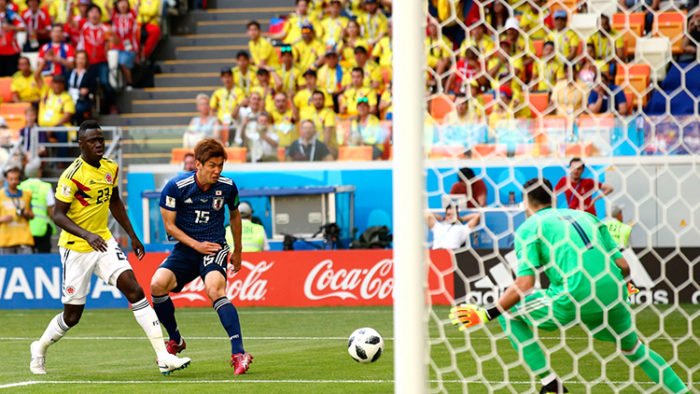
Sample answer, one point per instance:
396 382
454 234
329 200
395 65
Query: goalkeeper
586 273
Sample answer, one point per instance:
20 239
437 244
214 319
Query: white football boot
37 364
168 363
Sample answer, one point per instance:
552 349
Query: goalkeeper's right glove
631 289
468 315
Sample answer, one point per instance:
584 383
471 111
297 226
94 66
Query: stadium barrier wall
282 279
663 275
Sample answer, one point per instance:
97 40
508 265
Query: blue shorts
127 59
187 264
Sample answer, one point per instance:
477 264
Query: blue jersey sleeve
169 196
233 200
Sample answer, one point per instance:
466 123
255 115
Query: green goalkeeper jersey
577 254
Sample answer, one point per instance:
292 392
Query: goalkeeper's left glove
631 289
468 315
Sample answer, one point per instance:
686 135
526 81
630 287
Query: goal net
514 91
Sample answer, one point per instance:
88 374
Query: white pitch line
278 381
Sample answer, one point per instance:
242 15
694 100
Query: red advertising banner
309 278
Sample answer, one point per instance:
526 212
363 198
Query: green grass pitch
304 350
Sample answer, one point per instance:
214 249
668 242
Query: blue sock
165 310
229 319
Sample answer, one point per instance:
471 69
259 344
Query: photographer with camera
15 213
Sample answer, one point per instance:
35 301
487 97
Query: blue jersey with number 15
200 213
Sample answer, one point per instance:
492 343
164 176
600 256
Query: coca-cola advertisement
309 278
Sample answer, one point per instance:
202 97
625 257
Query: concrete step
218 27
160 119
198 65
210 39
216 4
164 105
187 92
187 79
208 52
247 14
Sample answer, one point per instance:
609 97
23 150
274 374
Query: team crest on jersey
218 203
70 290
108 177
218 192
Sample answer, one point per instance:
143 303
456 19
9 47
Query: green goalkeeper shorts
612 325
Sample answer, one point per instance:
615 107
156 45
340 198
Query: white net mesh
516 99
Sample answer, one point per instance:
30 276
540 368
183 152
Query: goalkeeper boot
37 364
554 387
174 348
168 363
241 362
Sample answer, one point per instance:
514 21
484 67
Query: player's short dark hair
55 25
548 43
253 23
539 191
360 49
310 72
574 160
467 173
318 92
358 69
92 7
87 125
262 71
11 170
207 149
243 54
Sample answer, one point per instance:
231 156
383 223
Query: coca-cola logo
324 281
250 287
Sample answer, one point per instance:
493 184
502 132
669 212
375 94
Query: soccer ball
365 345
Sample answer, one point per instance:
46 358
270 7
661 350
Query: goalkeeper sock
148 320
165 310
523 341
229 319
56 330
651 362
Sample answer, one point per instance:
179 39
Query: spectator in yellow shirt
437 49
324 119
225 99
244 74
570 95
521 45
149 18
15 214
386 104
283 121
534 20
348 102
291 32
608 44
332 26
289 73
366 129
373 22
351 40
565 40
266 89
263 53
547 70
56 107
309 51
382 49
302 99
479 40
333 78
24 87
372 72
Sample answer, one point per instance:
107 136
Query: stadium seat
584 24
607 7
281 153
5 92
447 152
440 106
538 45
482 151
670 24
539 101
15 123
634 78
355 153
13 108
656 52
632 27
178 155
236 155
532 150
596 121
581 149
631 98
487 99
568 5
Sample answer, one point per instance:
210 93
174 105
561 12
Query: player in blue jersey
192 205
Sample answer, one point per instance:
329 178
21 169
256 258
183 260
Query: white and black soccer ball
365 345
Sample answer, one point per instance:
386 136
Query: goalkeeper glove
631 289
468 315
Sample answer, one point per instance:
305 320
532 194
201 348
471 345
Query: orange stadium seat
631 99
632 26
539 46
670 24
532 150
441 106
568 5
355 153
487 99
5 93
539 101
13 108
482 151
178 155
281 153
580 149
596 121
634 78
236 155
447 152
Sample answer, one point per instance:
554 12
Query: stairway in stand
191 64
